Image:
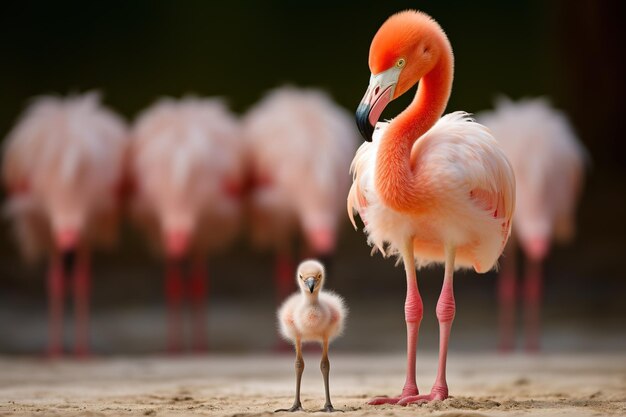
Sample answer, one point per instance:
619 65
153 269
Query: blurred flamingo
428 188
548 161
63 168
299 146
186 163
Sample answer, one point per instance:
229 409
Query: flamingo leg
325 368
82 289
413 313
198 293
507 283
56 292
446 310
297 405
533 289
174 295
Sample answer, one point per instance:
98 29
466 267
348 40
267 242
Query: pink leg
56 292
198 289
82 289
174 295
506 297
533 289
446 310
413 313
285 278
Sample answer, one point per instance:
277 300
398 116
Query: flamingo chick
187 164
549 162
299 144
63 168
428 188
311 315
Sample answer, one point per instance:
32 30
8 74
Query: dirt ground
480 385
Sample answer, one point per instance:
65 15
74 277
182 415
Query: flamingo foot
295 407
438 393
407 392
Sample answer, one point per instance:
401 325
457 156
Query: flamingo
299 144
428 188
311 315
186 161
63 167
549 163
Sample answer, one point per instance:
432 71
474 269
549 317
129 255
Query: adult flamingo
428 189
187 168
299 144
63 167
549 164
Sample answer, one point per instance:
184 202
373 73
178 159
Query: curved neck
397 181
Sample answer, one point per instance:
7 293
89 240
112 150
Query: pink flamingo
63 167
299 144
548 161
428 189
186 161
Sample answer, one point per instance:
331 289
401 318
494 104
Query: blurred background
135 52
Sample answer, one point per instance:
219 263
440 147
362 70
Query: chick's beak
310 282
378 95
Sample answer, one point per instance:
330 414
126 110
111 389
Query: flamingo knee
413 307
446 307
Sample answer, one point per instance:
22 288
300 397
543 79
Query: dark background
136 51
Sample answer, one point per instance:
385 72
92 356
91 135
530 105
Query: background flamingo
428 189
63 166
299 145
548 161
187 168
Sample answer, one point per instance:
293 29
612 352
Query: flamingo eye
300 275
400 63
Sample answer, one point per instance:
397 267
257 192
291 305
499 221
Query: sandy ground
480 385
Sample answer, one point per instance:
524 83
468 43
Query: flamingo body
300 144
548 161
63 167
549 164
312 314
468 190
187 164
428 188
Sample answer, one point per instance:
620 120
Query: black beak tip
363 123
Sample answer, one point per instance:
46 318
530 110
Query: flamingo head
310 276
405 48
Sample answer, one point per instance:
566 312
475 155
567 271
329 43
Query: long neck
397 182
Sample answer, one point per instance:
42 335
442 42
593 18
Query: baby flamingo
311 315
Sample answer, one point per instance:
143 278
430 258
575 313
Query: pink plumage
548 161
187 166
300 145
63 166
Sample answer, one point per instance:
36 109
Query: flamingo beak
310 282
378 95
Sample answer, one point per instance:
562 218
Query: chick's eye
400 63
300 275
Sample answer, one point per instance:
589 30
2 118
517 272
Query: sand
215 385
